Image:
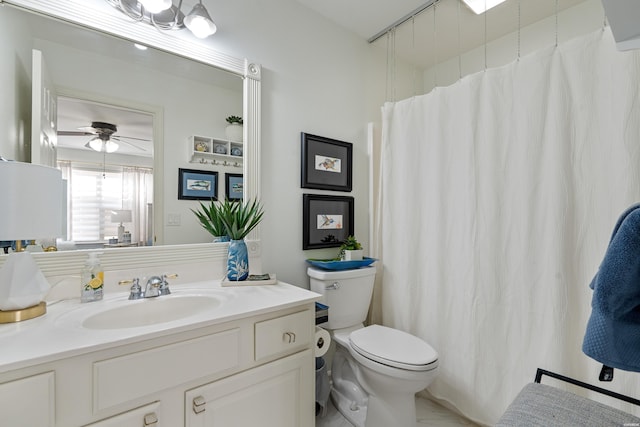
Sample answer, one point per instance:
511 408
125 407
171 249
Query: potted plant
239 219
350 250
211 220
234 129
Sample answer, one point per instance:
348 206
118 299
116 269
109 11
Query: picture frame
197 185
326 164
327 220
234 186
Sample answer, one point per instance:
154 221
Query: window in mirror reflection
95 191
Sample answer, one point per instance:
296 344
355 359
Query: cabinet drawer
28 401
146 416
283 334
124 378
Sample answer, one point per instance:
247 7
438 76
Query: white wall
317 78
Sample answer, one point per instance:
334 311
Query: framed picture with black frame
327 220
234 186
197 185
326 163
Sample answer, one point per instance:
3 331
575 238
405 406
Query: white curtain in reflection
498 196
137 195
94 191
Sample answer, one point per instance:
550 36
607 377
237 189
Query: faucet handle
164 285
136 290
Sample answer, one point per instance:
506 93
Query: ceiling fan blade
74 133
131 137
117 138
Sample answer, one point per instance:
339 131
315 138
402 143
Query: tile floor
428 413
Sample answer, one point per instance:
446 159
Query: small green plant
240 218
234 119
211 219
349 244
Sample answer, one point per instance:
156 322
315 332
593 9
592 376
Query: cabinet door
28 401
278 394
146 416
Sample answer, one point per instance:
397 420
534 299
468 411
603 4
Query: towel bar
541 372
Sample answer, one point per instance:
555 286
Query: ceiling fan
105 137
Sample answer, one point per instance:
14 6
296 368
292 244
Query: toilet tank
346 292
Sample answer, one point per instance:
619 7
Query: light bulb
155 6
95 144
110 146
199 22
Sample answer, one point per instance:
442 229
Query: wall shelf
215 151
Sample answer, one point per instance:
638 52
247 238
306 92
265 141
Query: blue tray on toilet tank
332 264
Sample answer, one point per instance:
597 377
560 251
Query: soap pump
92 279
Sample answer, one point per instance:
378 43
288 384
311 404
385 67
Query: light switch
173 219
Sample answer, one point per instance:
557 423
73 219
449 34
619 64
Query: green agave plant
210 218
239 219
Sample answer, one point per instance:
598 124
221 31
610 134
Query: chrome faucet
155 287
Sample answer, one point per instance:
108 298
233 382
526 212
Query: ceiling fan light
199 22
110 146
481 6
155 6
95 144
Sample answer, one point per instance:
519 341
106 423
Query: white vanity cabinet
253 370
272 395
28 401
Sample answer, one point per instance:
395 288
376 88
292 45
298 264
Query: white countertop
59 333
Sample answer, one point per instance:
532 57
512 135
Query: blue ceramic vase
237 261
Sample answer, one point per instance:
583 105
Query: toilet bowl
376 370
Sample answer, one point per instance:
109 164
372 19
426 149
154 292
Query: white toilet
376 370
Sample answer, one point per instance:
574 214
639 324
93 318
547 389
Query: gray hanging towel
613 330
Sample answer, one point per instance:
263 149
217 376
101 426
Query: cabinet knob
199 404
289 337
150 419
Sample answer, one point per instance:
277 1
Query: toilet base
355 414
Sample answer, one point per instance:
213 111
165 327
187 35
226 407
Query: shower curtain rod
402 20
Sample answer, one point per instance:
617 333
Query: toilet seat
394 348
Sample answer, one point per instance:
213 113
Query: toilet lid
393 347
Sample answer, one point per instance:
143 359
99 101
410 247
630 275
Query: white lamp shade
199 22
481 6
121 216
31 198
155 6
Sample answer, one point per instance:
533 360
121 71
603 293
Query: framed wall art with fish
197 185
327 220
326 163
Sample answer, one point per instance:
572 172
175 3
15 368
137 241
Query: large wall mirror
179 87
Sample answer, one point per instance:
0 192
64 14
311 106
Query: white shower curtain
498 196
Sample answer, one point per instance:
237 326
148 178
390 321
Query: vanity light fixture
481 6
165 16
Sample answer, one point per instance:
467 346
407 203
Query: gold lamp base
12 316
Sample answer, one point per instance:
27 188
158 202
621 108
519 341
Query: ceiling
457 28
135 129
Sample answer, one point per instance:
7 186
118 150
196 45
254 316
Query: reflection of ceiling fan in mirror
104 137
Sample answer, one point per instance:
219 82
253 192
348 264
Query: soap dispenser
92 277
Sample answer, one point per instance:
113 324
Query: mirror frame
105 19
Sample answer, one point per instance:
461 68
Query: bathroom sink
149 311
